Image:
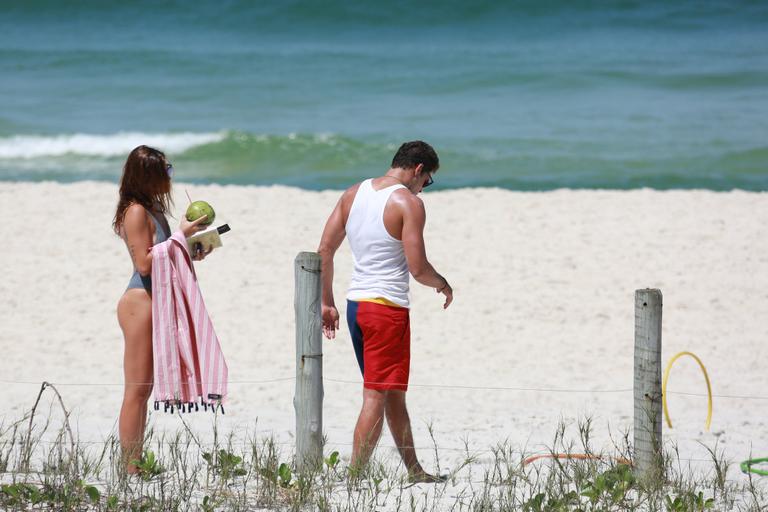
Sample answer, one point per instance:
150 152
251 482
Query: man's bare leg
368 428
400 426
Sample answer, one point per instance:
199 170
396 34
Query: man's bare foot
422 477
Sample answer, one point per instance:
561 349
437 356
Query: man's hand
448 292
330 321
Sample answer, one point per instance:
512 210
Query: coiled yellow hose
664 388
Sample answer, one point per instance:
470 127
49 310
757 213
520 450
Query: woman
145 196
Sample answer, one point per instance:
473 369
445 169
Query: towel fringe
171 406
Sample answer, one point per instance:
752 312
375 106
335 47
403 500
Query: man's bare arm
333 236
414 219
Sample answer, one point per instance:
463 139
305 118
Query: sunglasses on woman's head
169 170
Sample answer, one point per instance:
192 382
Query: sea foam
118 144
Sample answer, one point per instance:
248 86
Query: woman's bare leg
134 312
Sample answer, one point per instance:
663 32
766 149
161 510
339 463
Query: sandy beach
543 315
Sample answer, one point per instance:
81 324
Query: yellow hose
664 388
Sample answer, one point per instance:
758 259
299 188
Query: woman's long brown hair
145 181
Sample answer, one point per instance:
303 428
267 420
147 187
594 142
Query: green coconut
199 208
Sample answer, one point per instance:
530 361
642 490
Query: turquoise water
317 95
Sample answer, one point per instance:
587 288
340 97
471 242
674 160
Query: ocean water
523 95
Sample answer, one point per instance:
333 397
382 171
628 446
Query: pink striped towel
189 366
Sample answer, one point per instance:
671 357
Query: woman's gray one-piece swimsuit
162 233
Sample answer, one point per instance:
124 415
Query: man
383 219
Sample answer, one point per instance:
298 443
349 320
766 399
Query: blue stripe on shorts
355 332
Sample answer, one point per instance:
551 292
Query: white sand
544 287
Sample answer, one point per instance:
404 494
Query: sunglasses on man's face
428 182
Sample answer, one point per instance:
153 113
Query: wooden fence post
647 386
308 401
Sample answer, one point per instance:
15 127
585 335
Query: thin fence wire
463 449
412 385
115 384
487 388
332 444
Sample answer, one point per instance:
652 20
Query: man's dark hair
414 153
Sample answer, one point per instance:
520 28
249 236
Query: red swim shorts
381 336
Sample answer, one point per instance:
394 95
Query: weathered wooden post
308 401
647 387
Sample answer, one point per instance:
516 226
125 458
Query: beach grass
43 466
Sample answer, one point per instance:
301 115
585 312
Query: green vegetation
148 466
45 468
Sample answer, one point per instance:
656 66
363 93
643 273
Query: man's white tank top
380 268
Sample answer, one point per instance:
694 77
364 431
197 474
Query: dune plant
45 467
